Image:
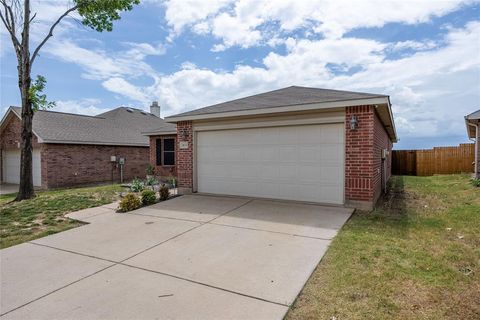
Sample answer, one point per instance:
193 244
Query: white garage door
304 163
11 167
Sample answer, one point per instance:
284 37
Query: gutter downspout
477 142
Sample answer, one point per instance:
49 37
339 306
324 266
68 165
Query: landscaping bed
43 215
417 256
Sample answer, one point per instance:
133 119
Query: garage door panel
11 167
330 175
304 163
332 134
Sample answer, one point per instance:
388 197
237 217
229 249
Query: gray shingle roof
120 126
472 118
289 96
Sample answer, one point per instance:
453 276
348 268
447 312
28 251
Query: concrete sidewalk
194 256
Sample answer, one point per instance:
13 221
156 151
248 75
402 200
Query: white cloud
431 87
125 88
430 90
247 22
180 14
99 64
84 106
415 45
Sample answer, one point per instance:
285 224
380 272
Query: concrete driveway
192 257
6 188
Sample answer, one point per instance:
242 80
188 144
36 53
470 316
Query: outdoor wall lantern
184 133
353 122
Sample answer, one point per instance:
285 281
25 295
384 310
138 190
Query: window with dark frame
168 152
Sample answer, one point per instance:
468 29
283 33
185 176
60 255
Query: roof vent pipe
155 109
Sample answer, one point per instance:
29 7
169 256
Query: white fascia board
161 133
292 108
389 106
11 110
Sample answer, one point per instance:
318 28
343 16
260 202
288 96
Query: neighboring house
296 143
72 149
473 129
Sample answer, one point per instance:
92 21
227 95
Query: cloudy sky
192 53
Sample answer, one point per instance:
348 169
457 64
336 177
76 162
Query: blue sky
189 54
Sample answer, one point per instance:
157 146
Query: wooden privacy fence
439 160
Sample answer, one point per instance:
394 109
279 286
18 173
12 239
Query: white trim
271 123
194 164
162 133
301 107
10 109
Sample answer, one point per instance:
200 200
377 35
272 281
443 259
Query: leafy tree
17 18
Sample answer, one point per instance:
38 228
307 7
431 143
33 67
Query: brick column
185 156
359 157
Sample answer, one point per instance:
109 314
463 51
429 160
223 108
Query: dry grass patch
44 215
417 256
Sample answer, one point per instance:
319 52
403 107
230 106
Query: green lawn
30 219
416 257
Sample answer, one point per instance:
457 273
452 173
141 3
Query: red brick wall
363 150
359 154
185 156
381 141
363 163
66 165
162 171
10 137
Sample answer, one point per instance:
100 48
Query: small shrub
151 181
476 182
137 185
164 192
150 171
148 197
130 202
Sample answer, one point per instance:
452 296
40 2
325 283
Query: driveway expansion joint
264 230
205 284
115 263
58 289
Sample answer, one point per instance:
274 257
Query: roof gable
293 99
120 126
289 96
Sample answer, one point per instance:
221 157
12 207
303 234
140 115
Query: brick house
473 130
163 150
73 150
296 143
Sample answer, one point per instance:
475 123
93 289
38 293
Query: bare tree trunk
26 190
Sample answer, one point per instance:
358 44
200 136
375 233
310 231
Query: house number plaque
183 144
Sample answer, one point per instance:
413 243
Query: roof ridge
336 90
62 112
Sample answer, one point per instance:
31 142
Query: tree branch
50 32
9 22
31 19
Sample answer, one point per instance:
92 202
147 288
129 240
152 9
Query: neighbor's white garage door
11 167
304 163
